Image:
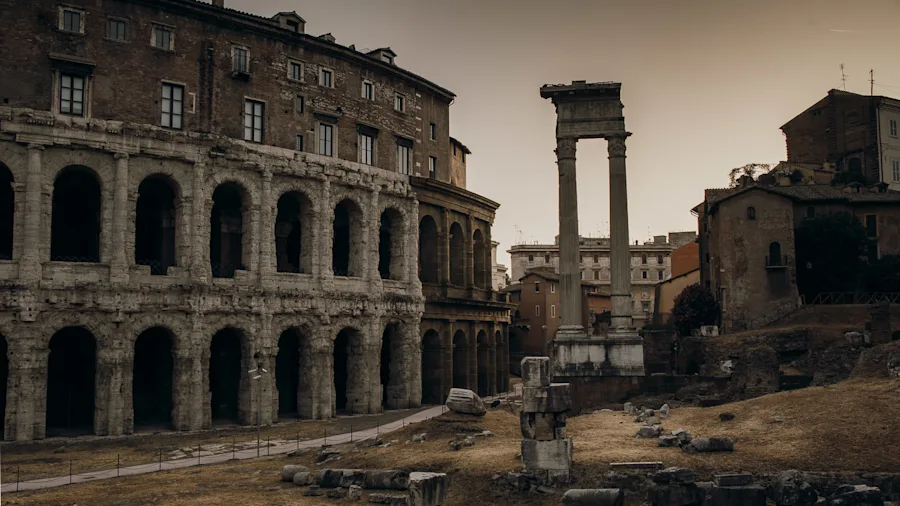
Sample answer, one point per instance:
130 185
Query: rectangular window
299 142
366 148
399 102
659 259
432 131
295 71
537 310
162 38
546 259
643 274
71 20
895 169
254 120
645 306
404 149
893 128
71 95
172 106
299 103
659 275
552 287
871 225
241 59
432 167
596 259
596 274
368 90
537 287
115 30
552 311
530 258
326 139
325 78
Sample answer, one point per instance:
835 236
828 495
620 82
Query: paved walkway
218 458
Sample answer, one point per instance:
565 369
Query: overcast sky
706 85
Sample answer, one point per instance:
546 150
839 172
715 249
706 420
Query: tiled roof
808 193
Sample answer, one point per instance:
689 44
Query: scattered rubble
467 402
422 489
709 444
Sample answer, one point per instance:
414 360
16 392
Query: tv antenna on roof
843 78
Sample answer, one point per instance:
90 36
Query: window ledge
162 49
117 41
241 74
69 32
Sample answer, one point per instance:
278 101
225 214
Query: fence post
351 433
268 444
298 440
325 441
198 454
232 448
160 458
117 465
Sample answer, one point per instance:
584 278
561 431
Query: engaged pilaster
118 263
30 264
620 254
569 268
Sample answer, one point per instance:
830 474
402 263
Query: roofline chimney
219 3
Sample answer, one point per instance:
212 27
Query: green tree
694 306
884 275
751 169
830 250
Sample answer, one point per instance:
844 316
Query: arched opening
775 254
390 245
153 377
516 351
348 391
751 213
480 263
7 212
293 226
392 367
225 375
75 227
460 360
457 255
226 231
499 354
347 244
4 381
484 365
431 368
70 382
428 250
292 374
154 238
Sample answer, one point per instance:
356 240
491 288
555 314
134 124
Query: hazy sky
706 85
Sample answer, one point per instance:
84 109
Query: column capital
565 148
36 147
616 144
121 156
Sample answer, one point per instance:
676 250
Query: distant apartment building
650 264
498 270
685 272
855 134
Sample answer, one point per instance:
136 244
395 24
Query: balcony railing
776 262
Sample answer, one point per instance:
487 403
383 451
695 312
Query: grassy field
845 427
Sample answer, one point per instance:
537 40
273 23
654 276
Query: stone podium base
601 370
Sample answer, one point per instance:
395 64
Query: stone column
118 264
322 381
411 255
413 375
470 254
472 337
108 400
620 253
444 238
30 263
326 224
446 359
26 399
199 238
373 232
569 264
267 230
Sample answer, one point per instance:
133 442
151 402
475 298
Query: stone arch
391 241
428 250
4 380
153 381
432 368
393 389
228 244
484 364
71 371
229 350
457 255
7 212
349 355
347 239
293 373
293 233
76 215
156 224
481 252
460 360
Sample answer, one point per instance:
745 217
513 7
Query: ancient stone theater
210 217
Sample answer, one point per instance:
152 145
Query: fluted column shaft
569 270
619 255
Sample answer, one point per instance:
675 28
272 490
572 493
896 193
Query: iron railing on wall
832 298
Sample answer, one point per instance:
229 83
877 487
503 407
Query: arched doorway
457 255
75 220
154 237
293 226
225 371
226 231
392 367
347 240
480 262
484 365
70 382
7 212
431 368
460 360
153 378
428 250
347 371
390 245
292 374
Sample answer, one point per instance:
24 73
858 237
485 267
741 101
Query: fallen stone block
313 491
593 497
385 479
428 489
419 438
709 444
392 499
664 411
635 465
555 398
668 441
749 495
303 479
553 455
856 495
336 493
733 480
288 472
465 401
675 494
629 408
535 372
726 416
354 493
649 432
789 489
682 435
671 475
